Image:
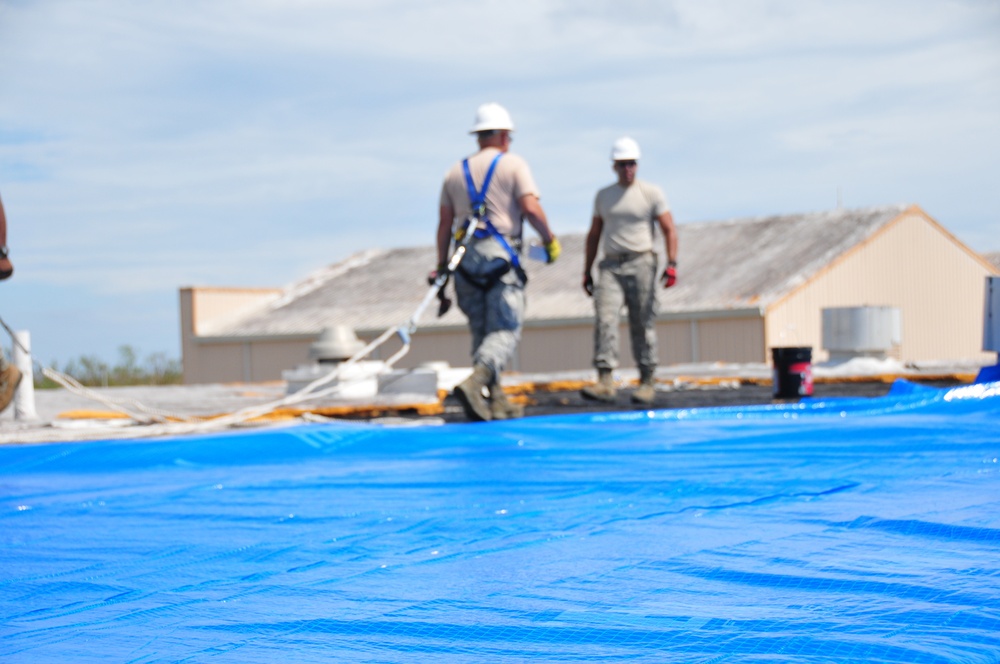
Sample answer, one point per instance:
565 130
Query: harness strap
477 198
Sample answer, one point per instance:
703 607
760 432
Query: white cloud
146 145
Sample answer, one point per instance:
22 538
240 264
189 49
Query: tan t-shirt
628 214
511 180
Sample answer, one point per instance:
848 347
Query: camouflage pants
495 310
630 281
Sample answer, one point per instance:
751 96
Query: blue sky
146 146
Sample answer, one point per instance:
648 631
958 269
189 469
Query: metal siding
912 265
200 307
269 358
542 349
731 340
190 349
673 342
215 363
453 347
561 348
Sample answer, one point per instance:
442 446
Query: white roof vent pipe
850 332
335 344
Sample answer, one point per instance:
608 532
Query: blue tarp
838 530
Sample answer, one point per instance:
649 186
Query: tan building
745 286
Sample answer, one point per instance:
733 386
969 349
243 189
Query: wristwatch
3 252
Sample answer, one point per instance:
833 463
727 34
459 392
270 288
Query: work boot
10 378
470 393
646 391
604 390
500 407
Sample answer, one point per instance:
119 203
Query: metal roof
731 265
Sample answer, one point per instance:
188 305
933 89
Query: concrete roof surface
63 415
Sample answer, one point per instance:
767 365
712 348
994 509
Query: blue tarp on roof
839 530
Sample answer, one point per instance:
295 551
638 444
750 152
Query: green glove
553 249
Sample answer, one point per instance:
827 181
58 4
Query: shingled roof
736 264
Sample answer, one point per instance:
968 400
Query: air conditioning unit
850 332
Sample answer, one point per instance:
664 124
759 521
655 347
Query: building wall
543 348
565 347
912 264
737 340
212 306
249 361
570 346
199 309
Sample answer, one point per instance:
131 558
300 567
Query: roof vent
335 344
850 332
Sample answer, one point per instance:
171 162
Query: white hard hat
492 116
624 149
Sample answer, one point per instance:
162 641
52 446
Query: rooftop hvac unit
861 331
991 315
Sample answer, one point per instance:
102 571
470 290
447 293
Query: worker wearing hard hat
10 376
488 194
624 217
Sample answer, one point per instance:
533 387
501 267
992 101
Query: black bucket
792 372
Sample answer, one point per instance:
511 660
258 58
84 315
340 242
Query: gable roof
729 265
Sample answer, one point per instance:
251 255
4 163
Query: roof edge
948 234
913 208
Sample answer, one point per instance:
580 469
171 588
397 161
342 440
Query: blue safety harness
477 198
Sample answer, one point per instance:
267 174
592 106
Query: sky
149 146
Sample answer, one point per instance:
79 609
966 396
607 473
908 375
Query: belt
626 256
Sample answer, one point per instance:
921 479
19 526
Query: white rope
156 422
130 407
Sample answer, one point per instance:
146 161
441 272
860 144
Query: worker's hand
6 269
669 277
434 274
588 284
553 249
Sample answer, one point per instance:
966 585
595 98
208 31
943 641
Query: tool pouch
486 262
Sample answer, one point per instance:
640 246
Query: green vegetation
155 369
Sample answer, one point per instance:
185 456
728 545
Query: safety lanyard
477 198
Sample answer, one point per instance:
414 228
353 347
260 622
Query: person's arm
670 243
590 252
446 217
669 235
6 268
532 210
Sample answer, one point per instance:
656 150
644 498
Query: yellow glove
553 249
